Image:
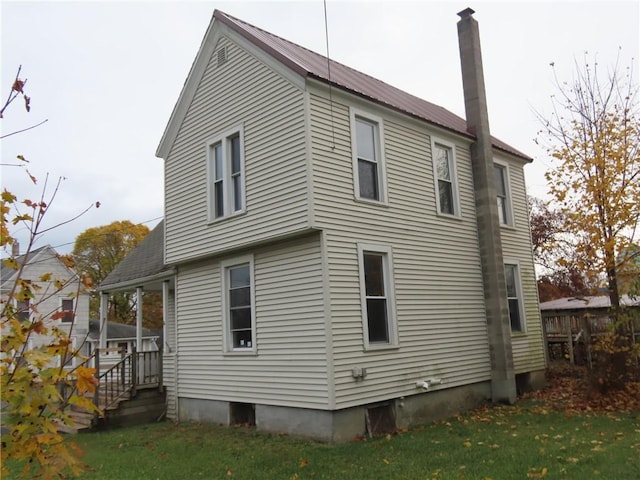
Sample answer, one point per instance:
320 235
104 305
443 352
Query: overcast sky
106 75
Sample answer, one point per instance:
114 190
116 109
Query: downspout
503 385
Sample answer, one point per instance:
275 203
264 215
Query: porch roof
143 266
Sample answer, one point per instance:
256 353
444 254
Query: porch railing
132 371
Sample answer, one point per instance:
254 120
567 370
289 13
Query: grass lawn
515 442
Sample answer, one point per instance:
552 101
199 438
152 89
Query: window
502 193
445 177
512 277
238 304
23 309
66 307
368 167
226 175
377 296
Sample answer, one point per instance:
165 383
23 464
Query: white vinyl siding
444 170
290 368
439 299
225 175
528 346
244 91
369 173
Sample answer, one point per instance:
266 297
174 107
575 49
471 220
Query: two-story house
60 298
343 257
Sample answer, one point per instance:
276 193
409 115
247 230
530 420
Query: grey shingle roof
310 64
146 260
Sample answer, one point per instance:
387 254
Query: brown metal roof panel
308 63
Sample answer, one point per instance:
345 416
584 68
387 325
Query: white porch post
104 308
139 319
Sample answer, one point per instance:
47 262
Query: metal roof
310 64
573 303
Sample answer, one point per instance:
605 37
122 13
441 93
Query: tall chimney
503 385
15 249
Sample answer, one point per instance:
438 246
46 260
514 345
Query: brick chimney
503 386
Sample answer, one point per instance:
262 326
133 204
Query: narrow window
226 175
238 304
66 306
502 189
377 296
23 310
377 306
512 278
368 158
445 174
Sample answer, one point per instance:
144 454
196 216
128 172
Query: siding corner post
503 385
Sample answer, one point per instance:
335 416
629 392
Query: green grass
502 443
499 443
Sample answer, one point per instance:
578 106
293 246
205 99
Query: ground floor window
377 296
238 304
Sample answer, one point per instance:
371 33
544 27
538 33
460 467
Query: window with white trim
238 303
502 194
377 296
226 192
67 309
514 297
368 158
444 168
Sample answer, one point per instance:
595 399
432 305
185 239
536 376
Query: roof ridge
344 65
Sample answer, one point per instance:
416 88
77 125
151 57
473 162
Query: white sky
106 75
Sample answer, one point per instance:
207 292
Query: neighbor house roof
7 274
118 331
309 64
573 303
146 261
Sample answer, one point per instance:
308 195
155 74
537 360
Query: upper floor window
368 160
376 284
444 168
502 194
238 304
514 297
67 309
226 175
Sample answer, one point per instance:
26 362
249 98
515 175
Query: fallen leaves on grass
568 390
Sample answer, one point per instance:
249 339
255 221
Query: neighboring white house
332 261
71 298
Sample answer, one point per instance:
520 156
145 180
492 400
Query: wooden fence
569 334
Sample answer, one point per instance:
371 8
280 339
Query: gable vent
222 56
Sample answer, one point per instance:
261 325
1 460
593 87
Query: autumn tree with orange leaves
593 135
42 374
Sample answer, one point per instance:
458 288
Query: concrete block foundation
345 424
